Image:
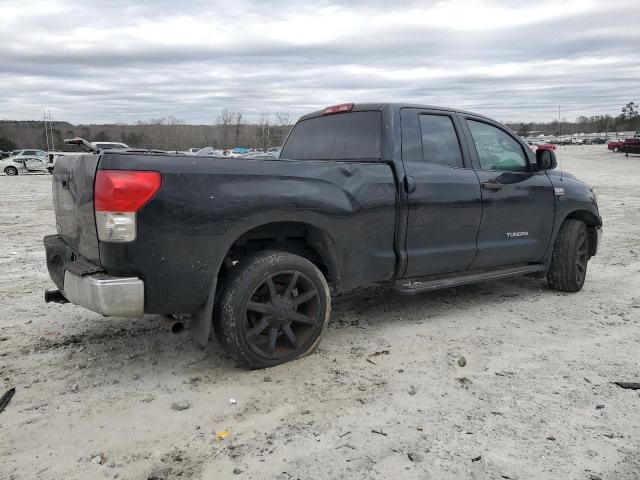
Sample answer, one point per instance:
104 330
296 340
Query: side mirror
546 159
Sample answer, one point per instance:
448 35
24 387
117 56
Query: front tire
273 308
616 149
11 171
570 256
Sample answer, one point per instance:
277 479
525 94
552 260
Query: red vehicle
615 145
545 146
628 145
632 145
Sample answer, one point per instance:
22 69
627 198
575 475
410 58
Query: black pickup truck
412 196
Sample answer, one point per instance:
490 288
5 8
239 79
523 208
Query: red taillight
124 190
343 107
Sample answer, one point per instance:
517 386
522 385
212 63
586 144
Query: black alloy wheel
273 308
582 256
282 313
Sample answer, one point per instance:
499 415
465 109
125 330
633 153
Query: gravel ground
385 396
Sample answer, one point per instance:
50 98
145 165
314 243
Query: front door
445 203
518 201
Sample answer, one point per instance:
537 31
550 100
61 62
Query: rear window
343 136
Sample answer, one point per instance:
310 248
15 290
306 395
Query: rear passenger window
496 149
439 141
343 136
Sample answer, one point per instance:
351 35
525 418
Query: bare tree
238 123
174 138
283 119
264 130
225 122
284 125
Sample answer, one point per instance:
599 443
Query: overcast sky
93 61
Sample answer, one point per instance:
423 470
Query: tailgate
73 179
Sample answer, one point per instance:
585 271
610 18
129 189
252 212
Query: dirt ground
384 397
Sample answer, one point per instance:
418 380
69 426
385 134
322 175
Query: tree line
627 120
230 130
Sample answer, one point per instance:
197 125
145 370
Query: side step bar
411 286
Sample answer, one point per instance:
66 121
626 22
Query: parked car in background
598 141
4 154
632 145
110 145
545 146
260 155
28 153
615 145
52 157
209 152
21 164
237 151
193 150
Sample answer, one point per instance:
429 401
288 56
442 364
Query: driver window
496 149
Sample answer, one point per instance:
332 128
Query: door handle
493 186
409 184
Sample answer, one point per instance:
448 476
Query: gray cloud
93 61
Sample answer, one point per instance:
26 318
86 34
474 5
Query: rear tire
273 308
570 256
11 171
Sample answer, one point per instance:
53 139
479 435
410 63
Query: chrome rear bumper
104 294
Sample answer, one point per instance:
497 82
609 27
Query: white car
28 153
23 164
110 145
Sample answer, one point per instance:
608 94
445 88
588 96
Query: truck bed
205 204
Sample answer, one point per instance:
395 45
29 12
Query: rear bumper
85 284
104 294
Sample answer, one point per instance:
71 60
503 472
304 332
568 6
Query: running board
411 286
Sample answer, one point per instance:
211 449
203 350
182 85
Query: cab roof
362 107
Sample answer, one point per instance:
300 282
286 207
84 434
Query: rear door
445 204
518 202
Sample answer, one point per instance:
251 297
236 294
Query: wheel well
585 216
301 239
591 221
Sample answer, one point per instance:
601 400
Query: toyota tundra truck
414 197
